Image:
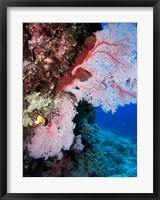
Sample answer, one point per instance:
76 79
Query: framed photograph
79 99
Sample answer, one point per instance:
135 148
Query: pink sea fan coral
50 140
112 63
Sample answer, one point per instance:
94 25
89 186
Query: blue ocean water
123 122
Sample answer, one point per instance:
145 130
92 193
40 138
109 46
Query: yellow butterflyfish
40 120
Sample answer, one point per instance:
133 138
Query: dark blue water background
123 122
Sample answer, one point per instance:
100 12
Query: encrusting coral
49 50
37 103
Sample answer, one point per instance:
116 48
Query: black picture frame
4 4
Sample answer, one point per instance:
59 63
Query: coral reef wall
68 70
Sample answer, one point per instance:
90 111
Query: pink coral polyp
50 140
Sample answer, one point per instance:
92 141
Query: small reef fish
40 120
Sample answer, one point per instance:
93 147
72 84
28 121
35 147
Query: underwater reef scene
79 100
